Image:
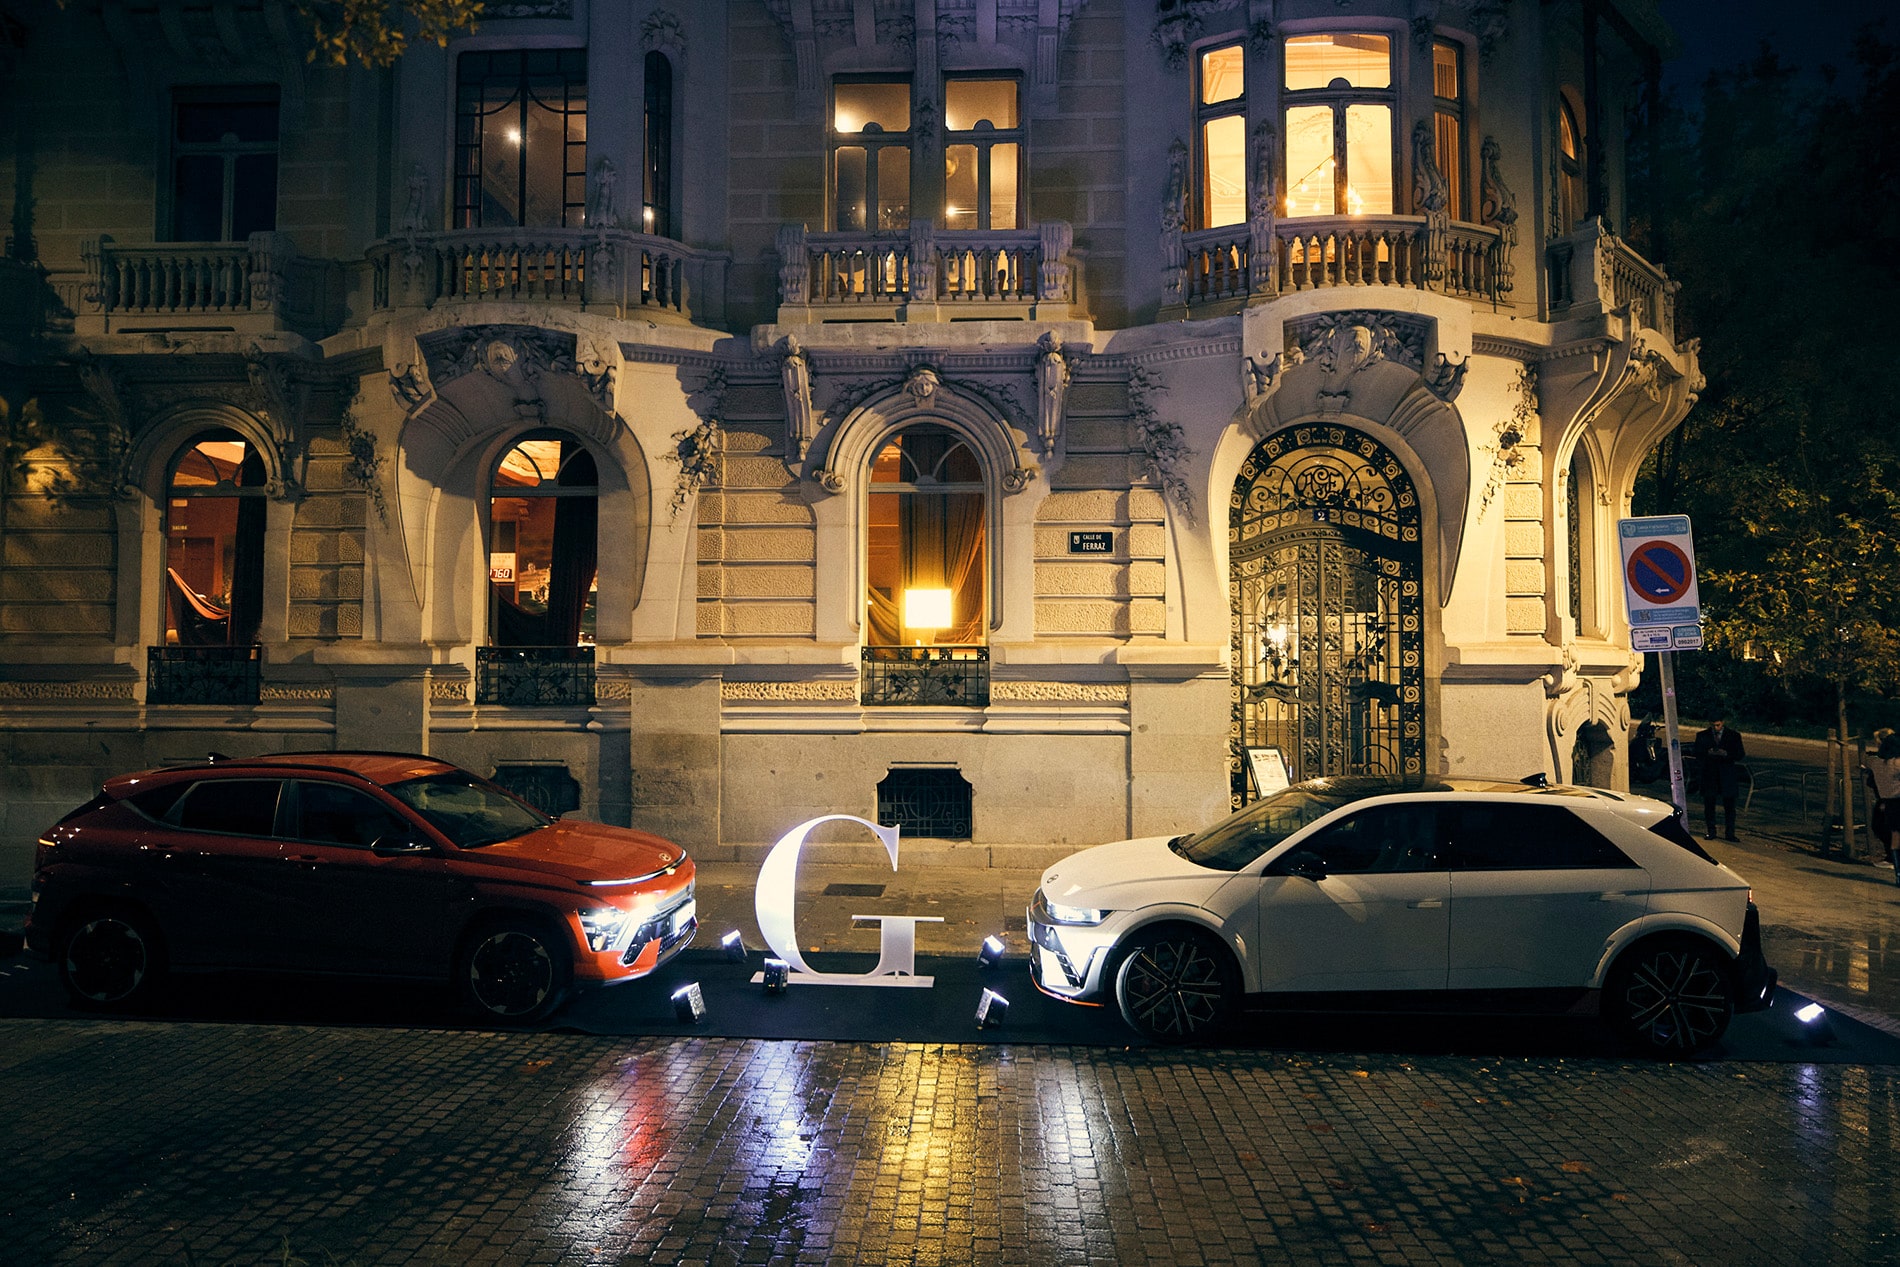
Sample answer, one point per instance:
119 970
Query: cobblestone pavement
212 1144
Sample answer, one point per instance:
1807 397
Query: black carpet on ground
943 1013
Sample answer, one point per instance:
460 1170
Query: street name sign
1659 583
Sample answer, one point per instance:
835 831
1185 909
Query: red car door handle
308 861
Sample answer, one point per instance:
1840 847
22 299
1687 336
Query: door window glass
1505 837
241 807
1386 838
336 815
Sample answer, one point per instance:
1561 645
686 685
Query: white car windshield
1237 840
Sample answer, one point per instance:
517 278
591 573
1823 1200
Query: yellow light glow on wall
926 609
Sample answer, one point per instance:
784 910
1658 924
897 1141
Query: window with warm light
926 546
543 544
1339 132
656 214
1221 132
1448 124
1570 194
521 139
870 154
982 157
214 542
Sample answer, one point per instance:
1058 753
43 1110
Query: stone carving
1431 197
697 451
1497 206
448 690
90 692
1057 240
1258 378
662 31
1178 23
1490 21
601 212
103 465
295 695
416 217
1424 21
1052 389
1349 350
366 463
820 692
1162 443
1057 693
1019 478
923 261
1260 36
1397 336
409 384
1263 205
515 355
1174 211
1507 457
801 420
922 383
1446 377
830 481
594 366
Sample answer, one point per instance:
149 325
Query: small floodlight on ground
734 943
991 1009
1817 1027
689 1004
776 976
991 952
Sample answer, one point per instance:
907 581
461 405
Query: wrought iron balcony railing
606 270
203 675
545 677
926 266
942 675
257 286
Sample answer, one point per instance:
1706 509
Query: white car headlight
1083 915
603 927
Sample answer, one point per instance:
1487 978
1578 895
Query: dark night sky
1719 34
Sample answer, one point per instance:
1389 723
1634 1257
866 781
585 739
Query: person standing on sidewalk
1883 772
1718 758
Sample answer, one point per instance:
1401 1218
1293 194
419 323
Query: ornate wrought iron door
1324 579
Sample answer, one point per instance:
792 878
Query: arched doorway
1324 575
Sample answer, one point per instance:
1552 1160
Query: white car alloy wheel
1672 997
1176 986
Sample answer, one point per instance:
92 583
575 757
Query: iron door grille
942 675
203 675
926 802
543 677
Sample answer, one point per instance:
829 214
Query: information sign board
1659 583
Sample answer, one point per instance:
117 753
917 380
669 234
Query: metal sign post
1665 611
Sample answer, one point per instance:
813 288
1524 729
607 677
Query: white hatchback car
1462 895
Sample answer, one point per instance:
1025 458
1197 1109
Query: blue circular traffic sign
1660 572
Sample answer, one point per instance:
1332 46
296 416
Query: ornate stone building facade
1009 418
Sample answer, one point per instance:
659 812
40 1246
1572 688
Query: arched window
544 543
926 548
214 542
656 215
1570 192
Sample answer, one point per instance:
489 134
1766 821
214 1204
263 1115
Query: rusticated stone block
1102 619
1081 580
1524 615
781 620
760 508
1084 507
1146 503
1524 576
18 585
1523 501
1524 540
1084 435
1147 541
740 471
767 545
56 549
1088 470
1147 616
27 512
1096 398
766 582
1147 580
72 619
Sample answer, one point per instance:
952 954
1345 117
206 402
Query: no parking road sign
1659 583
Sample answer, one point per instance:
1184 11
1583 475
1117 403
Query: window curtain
576 548
247 553
941 546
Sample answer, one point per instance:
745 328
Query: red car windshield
468 811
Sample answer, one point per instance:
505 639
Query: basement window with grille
926 802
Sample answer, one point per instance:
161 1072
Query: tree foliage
1781 215
376 32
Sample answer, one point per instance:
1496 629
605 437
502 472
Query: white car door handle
1425 904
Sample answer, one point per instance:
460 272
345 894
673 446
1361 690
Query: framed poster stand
1268 767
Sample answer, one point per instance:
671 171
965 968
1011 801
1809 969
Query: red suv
360 863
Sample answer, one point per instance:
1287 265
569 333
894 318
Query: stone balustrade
928 272
1224 268
260 285
613 271
1593 270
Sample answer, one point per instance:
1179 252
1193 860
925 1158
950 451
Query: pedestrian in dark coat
1883 774
1718 757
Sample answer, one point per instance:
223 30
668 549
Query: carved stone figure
1432 196
1262 213
1497 206
1257 378
1173 224
601 213
922 383
1052 387
801 420
415 216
